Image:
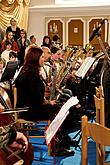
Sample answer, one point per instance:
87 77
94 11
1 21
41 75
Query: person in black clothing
9 136
105 77
47 42
30 92
23 43
14 29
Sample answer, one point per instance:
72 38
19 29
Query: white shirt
5 55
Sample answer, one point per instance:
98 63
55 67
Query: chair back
99 105
100 134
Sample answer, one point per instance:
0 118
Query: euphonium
68 67
64 64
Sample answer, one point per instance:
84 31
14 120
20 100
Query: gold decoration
10 1
14 8
19 1
27 2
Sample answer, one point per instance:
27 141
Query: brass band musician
31 88
9 136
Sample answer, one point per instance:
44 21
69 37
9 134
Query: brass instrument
68 68
53 86
65 63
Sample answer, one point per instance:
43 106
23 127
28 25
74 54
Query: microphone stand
102 45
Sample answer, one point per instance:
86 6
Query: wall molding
71 10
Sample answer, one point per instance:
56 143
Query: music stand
9 71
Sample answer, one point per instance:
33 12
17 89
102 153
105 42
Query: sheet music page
62 114
81 72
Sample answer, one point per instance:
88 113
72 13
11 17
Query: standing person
31 89
14 28
23 43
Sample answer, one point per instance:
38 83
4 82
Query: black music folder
9 71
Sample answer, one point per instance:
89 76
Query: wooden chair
100 134
27 126
99 105
100 115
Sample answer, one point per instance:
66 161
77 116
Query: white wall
41 2
36 26
39 10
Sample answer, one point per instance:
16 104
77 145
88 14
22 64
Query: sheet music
86 65
62 114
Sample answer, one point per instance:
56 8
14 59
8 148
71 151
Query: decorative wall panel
55 27
75 32
93 24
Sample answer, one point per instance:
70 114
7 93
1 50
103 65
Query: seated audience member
1 37
31 88
10 38
5 53
13 56
46 42
33 40
56 41
2 66
14 28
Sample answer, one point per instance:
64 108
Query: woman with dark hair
14 28
47 42
56 41
23 43
30 93
31 88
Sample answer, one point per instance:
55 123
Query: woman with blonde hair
14 28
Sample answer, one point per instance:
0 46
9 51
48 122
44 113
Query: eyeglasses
13 21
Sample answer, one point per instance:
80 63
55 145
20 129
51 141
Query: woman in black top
30 92
31 87
23 43
14 29
47 42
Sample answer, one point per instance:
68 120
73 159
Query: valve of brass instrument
74 78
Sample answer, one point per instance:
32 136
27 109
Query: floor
41 155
